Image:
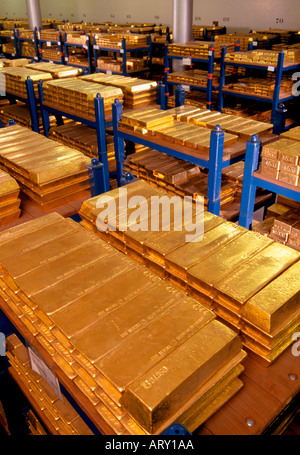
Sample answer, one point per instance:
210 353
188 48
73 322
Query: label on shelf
39 366
271 68
108 72
187 61
32 40
122 51
50 61
13 55
186 88
48 43
66 59
12 37
210 53
35 58
96 46
84 46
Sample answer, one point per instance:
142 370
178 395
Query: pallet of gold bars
114 41
47 172
49 35
195 98
280 160
242 127
195 77
244 39
56 70
9 199
52 269
76 96
137 92
166 125
53 54
56 413
210 30
15 62
198 49
263 57
83 138
15 78
28 34
230 269
176 176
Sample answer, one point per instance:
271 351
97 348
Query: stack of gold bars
20 112
15 78
196 77
49 35
114 41
59 415
293 133
234 173
132 64
143 353
9 199
16 62
175 176
281 161
166 125
244 39
76 96
56 70
83 138
244 128
263 57
196 98
286 229
49 173
260 87
76 38
137 92
198 49
28 34
51 53
9 48
210 30
249 281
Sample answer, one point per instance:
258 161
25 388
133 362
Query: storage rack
279 69
49 43
189 61
123 51
99 124
3 40
33 40
87 47
253 178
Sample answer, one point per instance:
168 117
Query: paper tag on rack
32 40
187 61
121 51
84 46
50 61
66 59
271 68
35 58
255 43
108 72
48 43
186 88
39 366
12 37
210 53
96 46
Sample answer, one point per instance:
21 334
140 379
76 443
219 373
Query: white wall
237 15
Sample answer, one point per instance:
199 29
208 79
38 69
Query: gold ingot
160 392
86 391
234 290
275 302
135 355
221 263
81 427
143 309
85 311
184 257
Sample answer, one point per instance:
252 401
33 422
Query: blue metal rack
215 162
3 40
33 40
49 43
123 51
99 124
87 47
279 69
253 179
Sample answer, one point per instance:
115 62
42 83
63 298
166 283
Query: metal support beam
34 14
182 25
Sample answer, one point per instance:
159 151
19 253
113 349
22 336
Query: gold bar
275 302
221 263
160 392
254 274
136 355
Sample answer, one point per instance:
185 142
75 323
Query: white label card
271 68
49 43
187 61
186 88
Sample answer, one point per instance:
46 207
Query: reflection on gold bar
221 263
254 274
161 391
275 302
168 332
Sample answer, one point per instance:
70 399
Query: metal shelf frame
123 51
33 40
99 124
49 43
252 179
279 69
3 40
214 163
87 47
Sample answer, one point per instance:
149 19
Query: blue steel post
237 46
150 55
66 49
96 177
167 69
179 96
117 111
101 137
215 170
44 113
211 53
249 187
277 84
61 48
124 57
222 78
279 119
32 104
36 43
89 50
160 95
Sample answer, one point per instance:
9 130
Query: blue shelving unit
123 51
279 69
253 179
87 47
99 124
214 163
33 40
48 43
5 39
